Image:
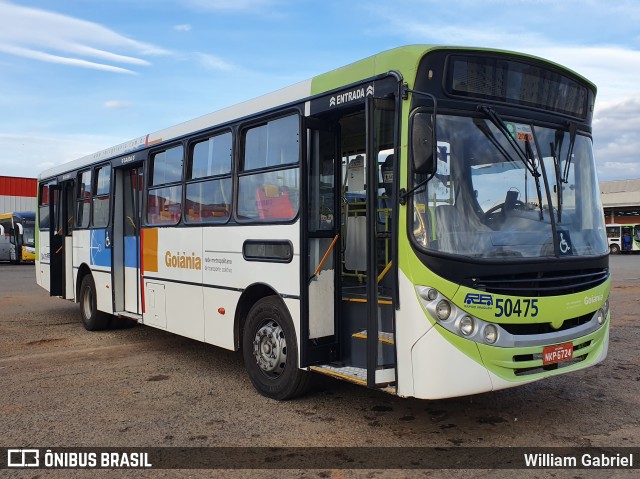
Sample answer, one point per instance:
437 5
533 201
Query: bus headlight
601 316
428 294
443 310
466 325
490 333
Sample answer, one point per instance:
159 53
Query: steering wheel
498 214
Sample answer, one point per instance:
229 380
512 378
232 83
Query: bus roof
402 59
28 215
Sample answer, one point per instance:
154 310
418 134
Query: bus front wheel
270 351
614 249
92 319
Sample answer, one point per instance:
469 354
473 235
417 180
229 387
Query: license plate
557 353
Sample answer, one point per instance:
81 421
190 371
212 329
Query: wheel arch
250 296
83 270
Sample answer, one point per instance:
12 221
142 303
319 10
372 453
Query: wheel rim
270 349
87 302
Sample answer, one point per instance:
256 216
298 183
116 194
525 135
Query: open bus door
357 329
126 241
61 207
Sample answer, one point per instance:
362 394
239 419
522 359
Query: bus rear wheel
92 319
614 249
270 351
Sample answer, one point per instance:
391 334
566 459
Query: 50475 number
519 307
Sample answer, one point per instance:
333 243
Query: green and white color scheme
425 221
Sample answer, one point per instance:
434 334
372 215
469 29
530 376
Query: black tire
92 319
614 249
270 351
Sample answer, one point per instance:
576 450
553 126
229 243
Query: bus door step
384 377
128 315
386 349
383 337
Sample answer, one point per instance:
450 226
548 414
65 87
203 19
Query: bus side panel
226 273
224 263
89 249
219 309
293 305
70 292
412 324
173 259
42 261
5 247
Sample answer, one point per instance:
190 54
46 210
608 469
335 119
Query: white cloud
616 132
28 155
182 28
212 62
116 104
55 38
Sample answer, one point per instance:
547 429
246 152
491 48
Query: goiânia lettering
182 260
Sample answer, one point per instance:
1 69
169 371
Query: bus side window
83 199
43 207
164 196
274 194
209 200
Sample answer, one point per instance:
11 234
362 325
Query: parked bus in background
426 221
17 237
623 238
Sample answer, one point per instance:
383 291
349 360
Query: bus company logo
350 96
45 256
182 261
23 458
478 300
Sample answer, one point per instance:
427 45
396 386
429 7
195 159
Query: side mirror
423 143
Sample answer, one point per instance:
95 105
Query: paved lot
63 386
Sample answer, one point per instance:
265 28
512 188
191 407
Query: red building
17 194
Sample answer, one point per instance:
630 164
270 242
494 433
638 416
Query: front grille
543 328
540 284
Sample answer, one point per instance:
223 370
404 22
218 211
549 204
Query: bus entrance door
126 242
61 206
350 229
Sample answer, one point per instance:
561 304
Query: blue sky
77 76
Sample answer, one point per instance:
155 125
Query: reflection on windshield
484 202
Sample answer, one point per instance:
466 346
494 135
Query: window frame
95 196
86 224
241 172
150 187
190 181
45 184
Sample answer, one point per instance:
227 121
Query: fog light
443 310
601 316
490 333
466 325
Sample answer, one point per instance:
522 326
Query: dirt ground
61 386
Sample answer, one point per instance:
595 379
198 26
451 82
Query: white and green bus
426 221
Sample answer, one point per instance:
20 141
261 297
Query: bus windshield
489 200
28 233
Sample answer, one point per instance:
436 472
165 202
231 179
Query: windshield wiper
526 156
572 139
556 151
